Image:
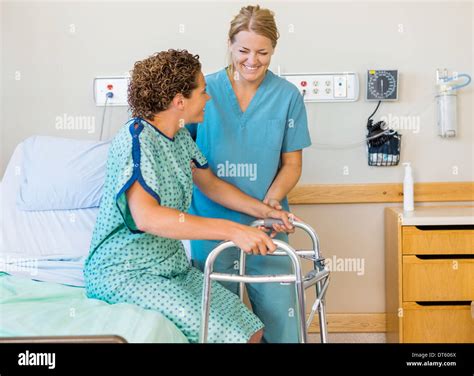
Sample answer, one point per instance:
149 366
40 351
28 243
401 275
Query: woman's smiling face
251 55
196 103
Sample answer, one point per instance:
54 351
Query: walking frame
318 277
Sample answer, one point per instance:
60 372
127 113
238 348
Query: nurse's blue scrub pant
273 303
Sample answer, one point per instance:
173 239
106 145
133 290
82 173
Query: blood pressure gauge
382 85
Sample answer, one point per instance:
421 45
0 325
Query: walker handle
269 222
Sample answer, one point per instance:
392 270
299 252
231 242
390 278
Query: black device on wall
382 85
383 143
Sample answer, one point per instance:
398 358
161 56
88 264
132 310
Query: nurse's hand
274 203
285 217
252 240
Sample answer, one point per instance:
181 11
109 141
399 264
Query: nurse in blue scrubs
253 135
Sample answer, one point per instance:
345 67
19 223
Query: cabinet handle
445 257
445 227
445 303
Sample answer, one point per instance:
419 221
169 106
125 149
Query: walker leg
322 322
300 315
242 272
322 305
205 308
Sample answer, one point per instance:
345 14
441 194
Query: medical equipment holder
386 153
318 277
383 143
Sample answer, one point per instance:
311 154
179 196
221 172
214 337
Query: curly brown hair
156 80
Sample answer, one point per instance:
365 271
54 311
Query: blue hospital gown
127 265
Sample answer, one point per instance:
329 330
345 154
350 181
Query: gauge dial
382 85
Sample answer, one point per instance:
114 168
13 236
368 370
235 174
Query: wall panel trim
376 193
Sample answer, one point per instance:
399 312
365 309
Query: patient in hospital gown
127 265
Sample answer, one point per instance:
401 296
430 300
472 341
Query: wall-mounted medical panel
326 87
111 91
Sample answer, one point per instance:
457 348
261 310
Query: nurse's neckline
243 115
157 130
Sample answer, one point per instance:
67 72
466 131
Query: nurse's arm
232 198
287 177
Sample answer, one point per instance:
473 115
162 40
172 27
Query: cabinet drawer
438 279
432 240
446 324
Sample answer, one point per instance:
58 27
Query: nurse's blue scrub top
244 148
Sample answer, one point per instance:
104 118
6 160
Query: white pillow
42 235
61 173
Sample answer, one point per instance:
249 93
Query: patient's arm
151 217
231 197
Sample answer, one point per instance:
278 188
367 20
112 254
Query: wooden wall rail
377 193
352 323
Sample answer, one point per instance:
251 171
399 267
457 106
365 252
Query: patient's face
195 104
251 55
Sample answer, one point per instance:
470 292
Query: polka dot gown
126 265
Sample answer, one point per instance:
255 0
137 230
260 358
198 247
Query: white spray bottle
408 196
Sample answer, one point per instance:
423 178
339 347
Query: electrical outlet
326 87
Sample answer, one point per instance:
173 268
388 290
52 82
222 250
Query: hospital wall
52 51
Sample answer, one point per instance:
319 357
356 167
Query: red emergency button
303 83
110 87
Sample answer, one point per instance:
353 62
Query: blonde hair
253 18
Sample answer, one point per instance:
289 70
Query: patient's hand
252 240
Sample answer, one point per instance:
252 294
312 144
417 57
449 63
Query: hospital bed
42 295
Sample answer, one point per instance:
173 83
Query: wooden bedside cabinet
429 274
